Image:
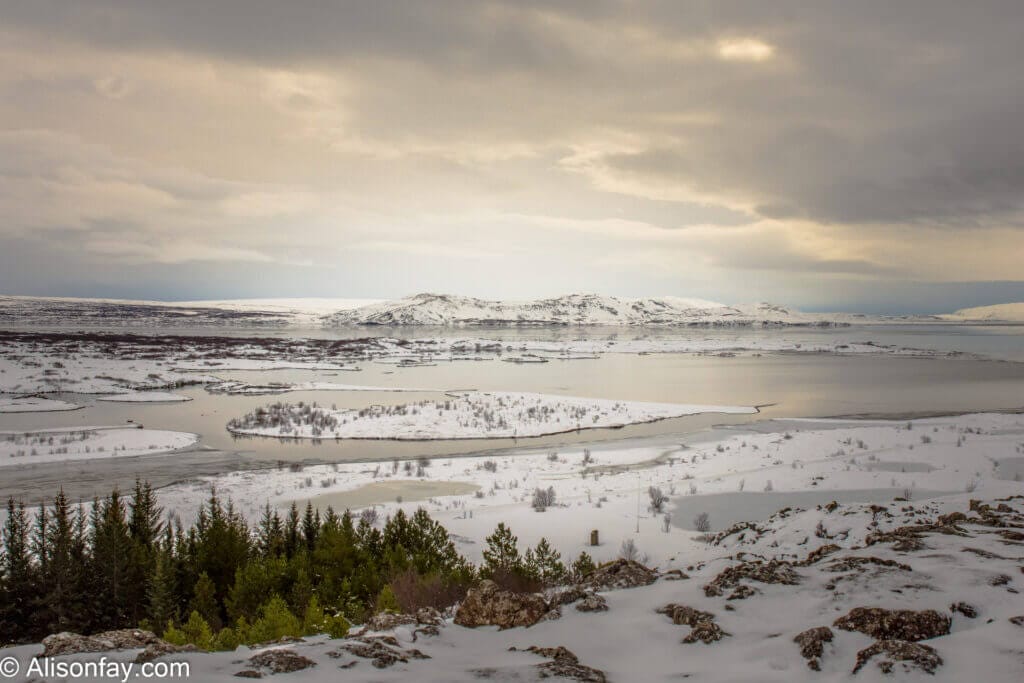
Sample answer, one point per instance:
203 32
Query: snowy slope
574 309
999 312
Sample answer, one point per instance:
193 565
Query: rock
819 553
706 632
965 609
912 655
886 624
564 664
773 571
702 624
123 639
387 621
812 645
279 661
592 603
569 595
742 592
489 605
685 615
675 575
382 651
161 649
1017 621
620 574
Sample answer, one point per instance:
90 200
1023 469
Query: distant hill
998 313
577 309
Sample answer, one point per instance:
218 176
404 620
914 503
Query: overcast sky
847 155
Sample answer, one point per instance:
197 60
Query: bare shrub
415 592
543 498
369 515
658 499
702 523
628 550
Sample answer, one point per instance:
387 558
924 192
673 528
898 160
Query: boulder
279 661
812 645
887 624
620 574
702 624
123 639
889 652
592 603
489 605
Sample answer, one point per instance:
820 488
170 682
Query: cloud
710 140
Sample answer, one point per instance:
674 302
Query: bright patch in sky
745 50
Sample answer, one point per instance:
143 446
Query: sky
828 155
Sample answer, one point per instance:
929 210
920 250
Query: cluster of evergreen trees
219 583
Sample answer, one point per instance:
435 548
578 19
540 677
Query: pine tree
291 531
546 565
502 553
582 566
204 601
161 598
310 527
110 568
18 576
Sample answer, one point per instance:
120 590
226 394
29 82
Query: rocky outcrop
702 624
772 571
489 605
886 624
889 652
620 574
382 651
565 664
123 639
812 645
270 662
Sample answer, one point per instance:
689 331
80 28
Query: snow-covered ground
464 415
894 554
981 453
87 443
34 404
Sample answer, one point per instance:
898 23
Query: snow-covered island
88 443
464 415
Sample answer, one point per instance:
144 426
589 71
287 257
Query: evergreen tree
18 574
310 527
204 601
545 564
161 596
502 553
582 566
110 569
291 531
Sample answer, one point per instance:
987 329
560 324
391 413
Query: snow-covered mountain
575 309
998 313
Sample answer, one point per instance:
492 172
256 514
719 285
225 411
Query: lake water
796 385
